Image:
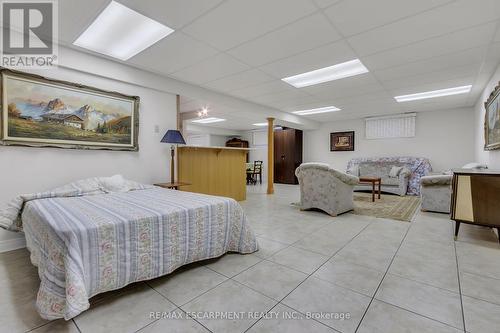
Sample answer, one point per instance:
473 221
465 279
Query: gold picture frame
41 112
492 120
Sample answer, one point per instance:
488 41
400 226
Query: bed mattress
87 245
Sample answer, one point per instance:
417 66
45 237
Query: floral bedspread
86 245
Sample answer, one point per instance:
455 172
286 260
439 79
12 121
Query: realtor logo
29 33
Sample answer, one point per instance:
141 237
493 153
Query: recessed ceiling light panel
335 72
433 94
260 124
208 120
316 111
121 32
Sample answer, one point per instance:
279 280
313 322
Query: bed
85 244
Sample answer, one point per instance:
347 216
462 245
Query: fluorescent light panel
121 32
335 72
433 94
260 124
316 111
208 120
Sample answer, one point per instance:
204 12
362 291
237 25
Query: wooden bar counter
213 170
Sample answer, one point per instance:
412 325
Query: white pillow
114 183
395 170
475 165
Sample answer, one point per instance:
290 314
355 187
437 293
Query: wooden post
270 155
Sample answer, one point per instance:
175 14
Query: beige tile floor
382 275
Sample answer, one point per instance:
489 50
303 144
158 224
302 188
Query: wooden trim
270 155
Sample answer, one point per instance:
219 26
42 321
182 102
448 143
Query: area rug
388 206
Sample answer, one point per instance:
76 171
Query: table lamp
173 137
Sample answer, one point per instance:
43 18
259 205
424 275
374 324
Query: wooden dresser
476 198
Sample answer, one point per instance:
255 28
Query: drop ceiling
244 48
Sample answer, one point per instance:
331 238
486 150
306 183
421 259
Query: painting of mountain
44 112
492 121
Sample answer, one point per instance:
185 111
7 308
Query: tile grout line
310 275
459 286
177 307
383 278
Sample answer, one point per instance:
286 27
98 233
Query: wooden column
270 155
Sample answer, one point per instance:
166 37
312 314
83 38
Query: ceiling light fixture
203 113
316 111
208 120
121 32
260 124
335 72
434 93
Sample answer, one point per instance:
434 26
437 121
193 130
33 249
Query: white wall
445 137
257 152
490 158
27 170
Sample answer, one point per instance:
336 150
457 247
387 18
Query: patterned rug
388 206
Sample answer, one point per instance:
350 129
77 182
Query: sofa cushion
395 170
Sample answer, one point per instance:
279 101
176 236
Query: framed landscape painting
41 112
492 121
342 141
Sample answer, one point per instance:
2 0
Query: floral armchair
325 188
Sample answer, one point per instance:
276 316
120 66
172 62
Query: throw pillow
395 170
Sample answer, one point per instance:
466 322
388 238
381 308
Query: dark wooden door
279 156
287 155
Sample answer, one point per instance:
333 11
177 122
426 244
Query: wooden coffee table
373 181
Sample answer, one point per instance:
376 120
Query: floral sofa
325 188
407 181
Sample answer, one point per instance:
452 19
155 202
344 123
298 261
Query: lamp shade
173 136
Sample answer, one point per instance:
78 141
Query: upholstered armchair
325 188
436 193
436 189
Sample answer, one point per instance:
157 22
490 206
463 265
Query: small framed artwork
342 141
492 121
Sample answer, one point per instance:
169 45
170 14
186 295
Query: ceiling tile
441 103
302 35
237 21
355 16
320 57
173 13
325 3
446 44
78 15
397 91
459 15
210 69
240 80
497 35
263 89
338 87
173 53
471 57
284 95
439 76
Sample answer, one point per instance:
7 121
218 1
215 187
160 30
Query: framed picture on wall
342 141
492 121
41 112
